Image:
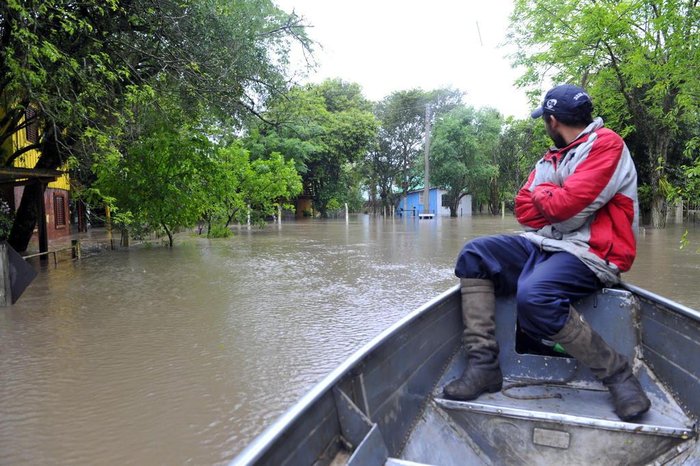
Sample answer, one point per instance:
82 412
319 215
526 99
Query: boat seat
610 312
561 413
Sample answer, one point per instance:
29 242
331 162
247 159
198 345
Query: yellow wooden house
56 206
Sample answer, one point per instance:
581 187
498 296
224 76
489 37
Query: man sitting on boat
580 215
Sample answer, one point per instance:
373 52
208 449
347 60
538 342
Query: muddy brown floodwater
157 356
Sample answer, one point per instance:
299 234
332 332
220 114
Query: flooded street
158 356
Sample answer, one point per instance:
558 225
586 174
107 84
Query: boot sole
635 414
489 389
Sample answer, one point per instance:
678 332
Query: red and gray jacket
582 199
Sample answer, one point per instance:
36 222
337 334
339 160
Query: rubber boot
610 367
483 373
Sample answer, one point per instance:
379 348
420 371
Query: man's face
554 133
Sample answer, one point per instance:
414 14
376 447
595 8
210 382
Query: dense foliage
463 151
521 144
175 113
394 165
640 60
79 65
326 129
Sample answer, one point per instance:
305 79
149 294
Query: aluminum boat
384 404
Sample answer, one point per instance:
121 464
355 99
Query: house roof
420 190
19 176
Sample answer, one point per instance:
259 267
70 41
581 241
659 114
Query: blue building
412 205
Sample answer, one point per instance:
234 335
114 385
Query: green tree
402 118
462 151
224 187
171 179
160 180
638 59
270 183
521 144
323 128
395 166
76 63
240 188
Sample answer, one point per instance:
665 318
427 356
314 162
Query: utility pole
426 184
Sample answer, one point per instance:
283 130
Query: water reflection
158 356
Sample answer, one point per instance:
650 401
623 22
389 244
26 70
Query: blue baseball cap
565 100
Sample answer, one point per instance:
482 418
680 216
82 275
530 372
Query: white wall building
413 204
464 209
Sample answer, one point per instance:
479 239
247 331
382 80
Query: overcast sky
390 45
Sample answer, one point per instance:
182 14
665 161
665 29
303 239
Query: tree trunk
659 153
170 235
28 214
454 204
494 198
658 210
230 218
373 201
124 242
26 217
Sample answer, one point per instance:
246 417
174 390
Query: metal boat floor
576 407
570 423
578 427
580 403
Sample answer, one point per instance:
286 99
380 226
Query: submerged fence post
6 288
75 249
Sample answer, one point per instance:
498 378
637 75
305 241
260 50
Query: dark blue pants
545 283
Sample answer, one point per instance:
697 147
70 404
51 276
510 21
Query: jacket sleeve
526 212
586 190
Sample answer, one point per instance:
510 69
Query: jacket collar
583 135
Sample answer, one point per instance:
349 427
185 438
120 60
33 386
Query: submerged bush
219 231
7 216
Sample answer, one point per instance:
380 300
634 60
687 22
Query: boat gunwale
264 440
667 303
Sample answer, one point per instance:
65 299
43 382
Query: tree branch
18 153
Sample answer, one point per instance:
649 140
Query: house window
32 128
59 210
445 201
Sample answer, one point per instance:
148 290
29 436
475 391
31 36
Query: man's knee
481 255
540 314
480 245
470 259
